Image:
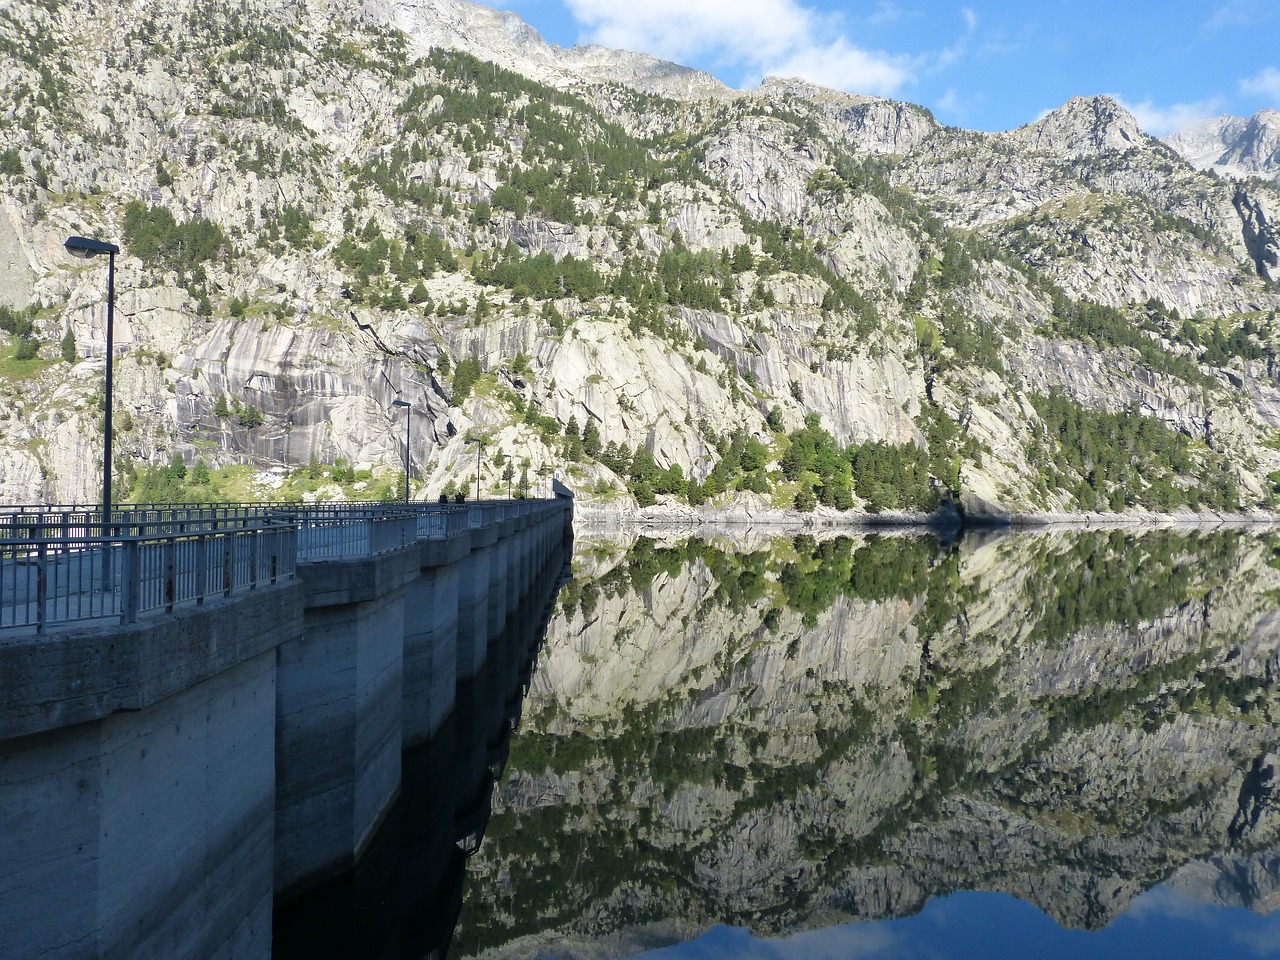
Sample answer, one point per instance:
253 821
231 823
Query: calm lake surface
1020 744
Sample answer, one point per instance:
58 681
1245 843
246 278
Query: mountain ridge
778 299
1233 146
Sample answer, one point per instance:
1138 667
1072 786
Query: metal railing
53 581
445 521
63 565
352 538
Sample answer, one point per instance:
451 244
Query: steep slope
780 298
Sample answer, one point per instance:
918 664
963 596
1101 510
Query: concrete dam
208 715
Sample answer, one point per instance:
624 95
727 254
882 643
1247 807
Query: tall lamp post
479 447
86 247
408 420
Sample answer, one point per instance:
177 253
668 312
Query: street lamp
408 420
479 449
84 248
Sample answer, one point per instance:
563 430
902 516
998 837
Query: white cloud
840 943
949 102
780 37
1162 121
1166 903
682 28
844 67
885 12
957 51
1265 83
1233 13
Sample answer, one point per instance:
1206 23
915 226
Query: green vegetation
20 359
155 237
1109 327
541 277
465 375
1104 579
174 482
19 323
885 476
369 256
1110 461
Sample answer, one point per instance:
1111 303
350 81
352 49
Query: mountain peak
502 37
1235 146
1081 127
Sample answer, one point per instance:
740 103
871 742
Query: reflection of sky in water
1160 924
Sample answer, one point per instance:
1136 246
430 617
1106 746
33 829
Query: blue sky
990 65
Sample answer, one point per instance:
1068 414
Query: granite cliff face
1234 146
333 209
791 734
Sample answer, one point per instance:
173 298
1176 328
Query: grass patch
12 368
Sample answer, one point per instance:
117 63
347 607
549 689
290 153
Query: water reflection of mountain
803 731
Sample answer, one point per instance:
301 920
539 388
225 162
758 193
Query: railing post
228 566
202 567
42 582
170 557
130 583
255 544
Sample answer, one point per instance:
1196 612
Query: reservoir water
1042 743
884 745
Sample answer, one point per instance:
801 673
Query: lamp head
401 403
86 247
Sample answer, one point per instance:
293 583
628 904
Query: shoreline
666 517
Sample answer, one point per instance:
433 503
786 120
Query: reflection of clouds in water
1260 943
1163 923
1163 903
836 943
855 941
1258 936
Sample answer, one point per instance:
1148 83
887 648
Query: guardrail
444 522
353 537
53 581
64 565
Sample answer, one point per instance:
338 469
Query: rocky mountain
1233 146
684 298
792 734
502 38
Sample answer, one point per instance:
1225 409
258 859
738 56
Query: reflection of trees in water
848 726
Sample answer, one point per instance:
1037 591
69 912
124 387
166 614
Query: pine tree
591 439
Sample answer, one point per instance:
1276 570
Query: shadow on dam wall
403 897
